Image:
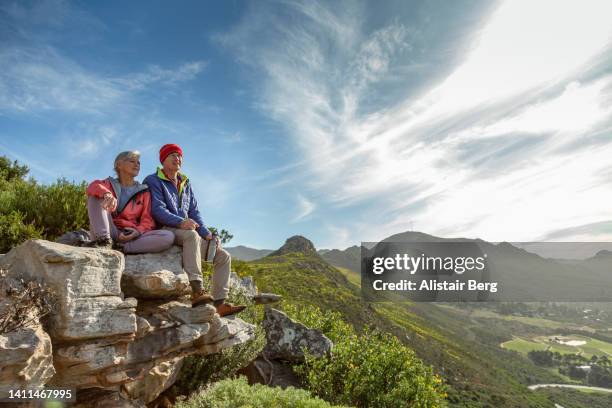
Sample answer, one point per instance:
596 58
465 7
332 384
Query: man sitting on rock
174 207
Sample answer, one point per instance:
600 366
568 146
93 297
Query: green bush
198 371
57 208
14 231
12 171
32 210
373 369
237 393
329 322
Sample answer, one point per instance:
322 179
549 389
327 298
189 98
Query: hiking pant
194 247
101 224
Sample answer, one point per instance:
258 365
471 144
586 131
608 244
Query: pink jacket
136 213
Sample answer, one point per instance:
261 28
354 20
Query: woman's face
129 167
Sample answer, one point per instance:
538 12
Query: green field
590 348
523 346
531 321
352 276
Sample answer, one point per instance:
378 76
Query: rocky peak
296 243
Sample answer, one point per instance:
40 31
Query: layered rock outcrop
121 325
286 339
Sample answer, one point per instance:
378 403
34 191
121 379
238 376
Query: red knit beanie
168 149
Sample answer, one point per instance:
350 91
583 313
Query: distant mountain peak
296 243
603 253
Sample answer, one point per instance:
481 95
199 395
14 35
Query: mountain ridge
441 337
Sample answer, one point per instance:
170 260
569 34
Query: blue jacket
170 206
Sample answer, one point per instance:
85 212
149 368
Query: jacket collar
114 182
182 184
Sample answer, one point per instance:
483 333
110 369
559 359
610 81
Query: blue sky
340 121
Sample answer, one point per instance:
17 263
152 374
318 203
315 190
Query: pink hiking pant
101 224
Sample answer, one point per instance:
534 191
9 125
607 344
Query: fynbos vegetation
24 303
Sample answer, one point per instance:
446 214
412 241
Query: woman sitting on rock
120 211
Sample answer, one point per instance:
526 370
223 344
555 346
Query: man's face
173 162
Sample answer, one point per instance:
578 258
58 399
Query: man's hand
128 234
109 203
188 224
217 240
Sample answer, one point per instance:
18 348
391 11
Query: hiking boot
101 243
225 309
200 298
119 246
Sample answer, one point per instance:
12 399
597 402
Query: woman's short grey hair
127 155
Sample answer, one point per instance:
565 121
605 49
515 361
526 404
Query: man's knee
189 236
222 255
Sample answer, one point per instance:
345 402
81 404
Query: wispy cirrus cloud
40 79
491 150
37 79
305 207
157 75
39 76
92 139
56 93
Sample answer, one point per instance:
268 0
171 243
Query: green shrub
14 231
198 371
32 210
373 369
237 393
12 171
329 322
57 208
223 235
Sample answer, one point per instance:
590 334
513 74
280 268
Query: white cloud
230 137
456 150
578 108
337 237
305 207
155 74
92 139
38 79
526 44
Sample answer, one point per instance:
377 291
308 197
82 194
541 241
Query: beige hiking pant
193 248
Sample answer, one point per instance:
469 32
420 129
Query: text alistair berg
412 264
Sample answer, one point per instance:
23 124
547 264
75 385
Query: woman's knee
166 237
93 203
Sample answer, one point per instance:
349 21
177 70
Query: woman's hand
109 203
128 234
